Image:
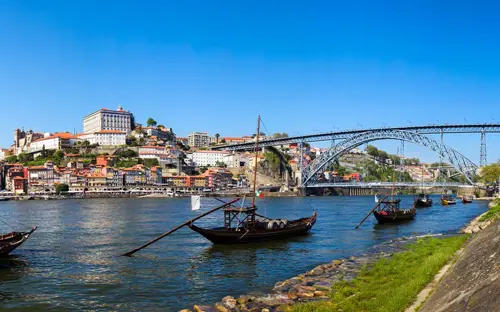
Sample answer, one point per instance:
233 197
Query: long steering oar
130 253
378 204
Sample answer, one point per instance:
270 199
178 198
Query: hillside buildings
207 158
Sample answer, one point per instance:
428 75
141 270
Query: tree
217 136
151 122
11 159
85 143
490 173
128 153
220 164
23 157
278 135
62 188
223 141
160 126
59 154
372 150
132 122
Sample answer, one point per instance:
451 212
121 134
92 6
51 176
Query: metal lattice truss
341 135
315 169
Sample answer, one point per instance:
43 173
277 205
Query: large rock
473 282
201 308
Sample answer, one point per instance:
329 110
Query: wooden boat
10 241
4 198
448 200
467 199
388 211
422 201
263 231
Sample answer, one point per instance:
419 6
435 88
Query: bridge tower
482 153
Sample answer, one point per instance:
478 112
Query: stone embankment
473 281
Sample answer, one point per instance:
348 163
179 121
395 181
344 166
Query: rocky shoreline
311 286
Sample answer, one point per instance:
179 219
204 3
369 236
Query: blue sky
305 66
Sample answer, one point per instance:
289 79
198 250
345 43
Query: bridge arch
318 166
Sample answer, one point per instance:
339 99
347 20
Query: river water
72 261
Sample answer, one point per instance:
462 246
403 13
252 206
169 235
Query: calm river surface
71 262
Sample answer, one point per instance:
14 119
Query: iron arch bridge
315 169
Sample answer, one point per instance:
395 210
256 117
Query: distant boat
467 199
4 198
448 200
422 201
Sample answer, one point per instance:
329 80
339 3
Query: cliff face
473 283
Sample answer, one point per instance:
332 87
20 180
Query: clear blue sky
214 65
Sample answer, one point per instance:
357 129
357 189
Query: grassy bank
493 213
390 284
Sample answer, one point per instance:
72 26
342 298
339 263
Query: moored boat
389 211
467 199
422 201
10 241
448 200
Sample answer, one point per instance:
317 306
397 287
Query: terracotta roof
110 131
36 167
60 135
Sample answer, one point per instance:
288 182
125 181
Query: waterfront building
155 176
107 119
105 137
198 139
218 177
187 181
230 140
96 179
42 177
12 171
20 185
56 141
136 175
114 176
207 158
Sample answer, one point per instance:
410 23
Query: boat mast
255 165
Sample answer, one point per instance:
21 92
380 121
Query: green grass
493 213
390 284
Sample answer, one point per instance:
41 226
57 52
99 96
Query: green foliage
11 159
23 157
160 126
490 173
132 122
202 169
62 188
122 163
383 155
493 213
278 135
149 162
151 122
273 160
223 141
59 155
391 284
128 153
220 164
375 172
335 166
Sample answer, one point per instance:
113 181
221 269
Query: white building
107 119
235 160
207 158
55 141
198 139
105 137
150 152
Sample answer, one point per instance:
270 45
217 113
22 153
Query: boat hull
241 236
393 218
9 242
447 202
422 203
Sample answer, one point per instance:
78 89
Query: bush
62 188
